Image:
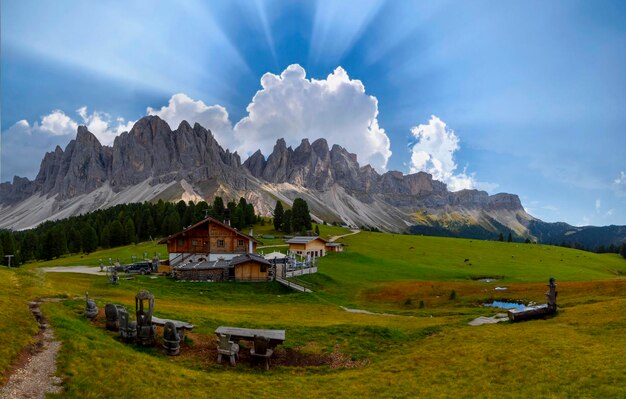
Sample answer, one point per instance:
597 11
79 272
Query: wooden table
181 326
276 337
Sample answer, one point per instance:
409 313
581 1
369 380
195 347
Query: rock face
152 161
150 151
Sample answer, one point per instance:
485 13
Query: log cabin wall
251 271
210 238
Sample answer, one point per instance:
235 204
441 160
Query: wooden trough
528 313
536 312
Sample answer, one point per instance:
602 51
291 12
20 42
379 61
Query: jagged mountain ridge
151 161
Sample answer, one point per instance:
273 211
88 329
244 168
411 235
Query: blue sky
508 96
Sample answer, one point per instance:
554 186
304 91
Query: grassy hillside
425 350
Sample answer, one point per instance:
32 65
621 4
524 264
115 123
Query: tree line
297 219
116 226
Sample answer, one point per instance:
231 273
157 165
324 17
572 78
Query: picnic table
181 326
276 337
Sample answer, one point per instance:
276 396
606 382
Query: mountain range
152 162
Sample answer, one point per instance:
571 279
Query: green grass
427 351
124 254
16 322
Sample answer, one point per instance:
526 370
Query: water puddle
506 305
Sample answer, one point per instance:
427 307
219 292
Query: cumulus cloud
213 117
337 108
433 152
56 124
598 205
24 144
288 105
103 126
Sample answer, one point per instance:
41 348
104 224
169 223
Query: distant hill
589 237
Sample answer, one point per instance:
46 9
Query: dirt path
334 238
75 269
371 313
34 377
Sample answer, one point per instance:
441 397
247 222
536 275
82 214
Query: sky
524 97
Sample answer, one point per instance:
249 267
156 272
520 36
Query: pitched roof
249 257
334 244
205 265
208 219
274 255
304 239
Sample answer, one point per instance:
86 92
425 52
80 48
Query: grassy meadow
427 288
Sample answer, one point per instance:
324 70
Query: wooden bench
181 326
276 337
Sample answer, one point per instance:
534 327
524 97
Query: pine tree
622 250
129 231
249 214
202 211
172 223
149 227
181 207
10 248
510 238
218 208
90 239
117 234
317 230
28 246
189 215
105 237
238 219
300 218
286 224
278 216
73 239
501 237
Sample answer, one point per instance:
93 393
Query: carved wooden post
551 294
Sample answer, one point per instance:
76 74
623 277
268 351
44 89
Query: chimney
250 242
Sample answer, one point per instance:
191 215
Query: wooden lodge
213 251
313 246
208 240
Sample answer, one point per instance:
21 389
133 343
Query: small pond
506 305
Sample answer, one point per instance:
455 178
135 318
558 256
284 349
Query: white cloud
621 179
103 126
57 124
213 117
598 205
23 144
434 153
288 105
337 108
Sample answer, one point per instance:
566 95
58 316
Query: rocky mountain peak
151 153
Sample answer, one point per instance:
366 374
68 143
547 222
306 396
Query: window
240 243
180 241
263 268
220 243
194 242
